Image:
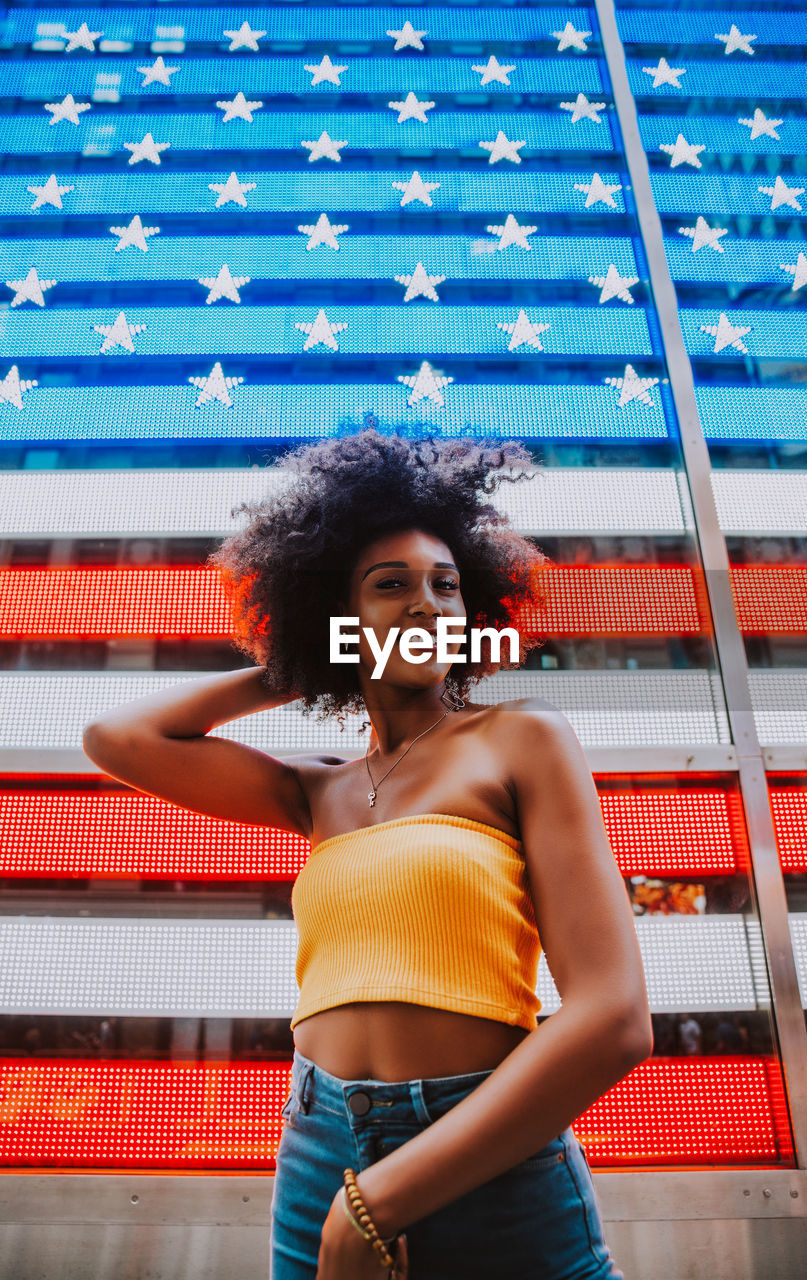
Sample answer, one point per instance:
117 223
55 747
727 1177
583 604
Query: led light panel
726 193
708 78
73 833
789 808
585 600
720 134
163 502
214 77
245 968
779 700
606 708
282 190
351 330
798 935
285 412
770 600
282 257
745 261
665 27
756 502
284 132
175 1115
320 24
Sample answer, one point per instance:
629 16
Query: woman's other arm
158 744
603 1028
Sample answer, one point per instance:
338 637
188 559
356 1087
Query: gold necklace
456 704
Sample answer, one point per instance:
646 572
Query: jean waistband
307 1079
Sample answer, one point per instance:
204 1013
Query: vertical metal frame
769 882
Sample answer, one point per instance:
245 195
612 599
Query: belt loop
304 1089
418 1101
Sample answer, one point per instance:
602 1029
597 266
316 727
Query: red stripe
124 834
159 1115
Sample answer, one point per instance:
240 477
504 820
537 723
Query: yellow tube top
429 909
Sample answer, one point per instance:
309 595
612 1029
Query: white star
325 70
323 232
224 285
231 191
632 387
239 108
407 36
702 234
665 74
427 383
598 191
569 37
781 193
30 289
760 125
12 387
799 271
613 285
157 73
734 40
82 39
523 330
215 386
416 189
51 193
324 146
119 334
581 109
411 109
134 235
726 334
420 282
321 331
148 149
494 71
503 149
244 38
67 109
512 233
683 152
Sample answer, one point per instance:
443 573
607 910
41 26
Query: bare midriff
393 1041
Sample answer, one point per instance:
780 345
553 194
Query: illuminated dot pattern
789 808
59 832
769 600
697 1112
168 1115
579 600
698 832
152 1114
618 599
190 602
63 833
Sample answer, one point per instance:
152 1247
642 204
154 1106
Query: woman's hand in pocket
344 1255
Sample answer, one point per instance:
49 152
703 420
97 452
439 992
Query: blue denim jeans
537 1221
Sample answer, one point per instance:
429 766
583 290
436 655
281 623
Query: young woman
427 1125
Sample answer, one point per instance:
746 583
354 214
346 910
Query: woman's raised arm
158 744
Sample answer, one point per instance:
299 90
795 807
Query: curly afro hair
287 570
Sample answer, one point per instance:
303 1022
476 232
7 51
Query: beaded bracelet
365 1222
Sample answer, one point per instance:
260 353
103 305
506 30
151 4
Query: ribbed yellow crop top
430 909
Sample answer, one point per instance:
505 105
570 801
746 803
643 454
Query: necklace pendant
371 797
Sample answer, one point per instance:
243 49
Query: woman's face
405 580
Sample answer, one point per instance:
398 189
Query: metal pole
769 883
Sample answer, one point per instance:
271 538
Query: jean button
359 1103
